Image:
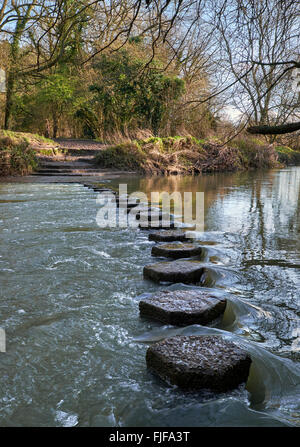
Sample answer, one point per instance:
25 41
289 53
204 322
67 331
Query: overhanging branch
274 130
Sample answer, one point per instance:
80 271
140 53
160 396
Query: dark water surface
69 294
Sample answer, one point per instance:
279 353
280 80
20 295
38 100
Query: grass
16 158
126 156
153 155
34 140
188 155
18 151
287 155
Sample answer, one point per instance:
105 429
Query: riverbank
24 154
19 152
188 155
26 157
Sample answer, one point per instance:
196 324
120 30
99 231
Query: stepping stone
132 203
154 214
176 251
167 236
161 225
116 200
130 206
199 362
103 190
182 307
177 271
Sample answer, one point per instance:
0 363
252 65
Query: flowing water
75 344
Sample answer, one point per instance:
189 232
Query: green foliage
127 156
112 96
56 90
86 115
34 140
53 99
130 97
287 155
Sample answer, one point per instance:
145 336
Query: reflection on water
69 304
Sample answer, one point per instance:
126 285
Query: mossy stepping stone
199 362
167 236
182 307
176 271
176 251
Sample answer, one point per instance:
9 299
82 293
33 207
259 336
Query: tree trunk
20 26
55 124
274 130
47 129
9 99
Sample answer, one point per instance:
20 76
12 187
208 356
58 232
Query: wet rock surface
176 251
168 236
161 225
153 214
176 271
199 362
154 217
182 307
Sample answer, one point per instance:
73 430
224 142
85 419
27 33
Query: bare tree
259 46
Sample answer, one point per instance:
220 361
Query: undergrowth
17 156
188 155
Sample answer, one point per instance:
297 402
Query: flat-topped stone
176 271
130 206
104 190
199 362
115 200
161 225
176 250
126 202
182 307
154 215
168 236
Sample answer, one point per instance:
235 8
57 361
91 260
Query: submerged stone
199 362
176 271
176 251
182 307
168 236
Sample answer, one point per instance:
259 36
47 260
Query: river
75 344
